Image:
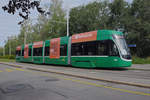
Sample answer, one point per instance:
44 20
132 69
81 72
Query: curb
80 76
17 66
92 78
139 69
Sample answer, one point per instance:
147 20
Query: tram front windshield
125 52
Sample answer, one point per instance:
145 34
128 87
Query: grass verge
137 60
7 60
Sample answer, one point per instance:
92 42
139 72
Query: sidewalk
119 76
141 66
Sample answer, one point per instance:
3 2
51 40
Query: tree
118 14
46 27
132 19
140 26
57 19
26 29
53 25
89 17
23 6
12 41
1 51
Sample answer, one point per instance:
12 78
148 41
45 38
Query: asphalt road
23 84
122 72
132 74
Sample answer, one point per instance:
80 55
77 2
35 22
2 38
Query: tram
95 49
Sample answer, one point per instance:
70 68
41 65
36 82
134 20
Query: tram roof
109 32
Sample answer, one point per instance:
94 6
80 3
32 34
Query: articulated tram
95 49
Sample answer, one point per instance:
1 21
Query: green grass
137 60
7 60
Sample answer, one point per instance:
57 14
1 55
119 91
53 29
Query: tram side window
18 52
47 52
63 50
89 48
37 51
84 49
94 48
22 52
102 48
76 49
29 51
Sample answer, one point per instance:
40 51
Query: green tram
95 49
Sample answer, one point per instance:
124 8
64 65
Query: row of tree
131 18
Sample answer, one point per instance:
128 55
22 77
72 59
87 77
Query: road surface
23 84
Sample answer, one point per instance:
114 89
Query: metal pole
4 51
4 48
9 46
25 34
25 38
68 22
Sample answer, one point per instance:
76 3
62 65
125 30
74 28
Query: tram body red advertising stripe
55 48
38 44
82 37
18 48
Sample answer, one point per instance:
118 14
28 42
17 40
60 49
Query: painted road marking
8 70
108 87
19 69
86 83
94 84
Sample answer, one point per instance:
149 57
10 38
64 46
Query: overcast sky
9 23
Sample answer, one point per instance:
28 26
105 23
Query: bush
7 57
137 60
11 57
